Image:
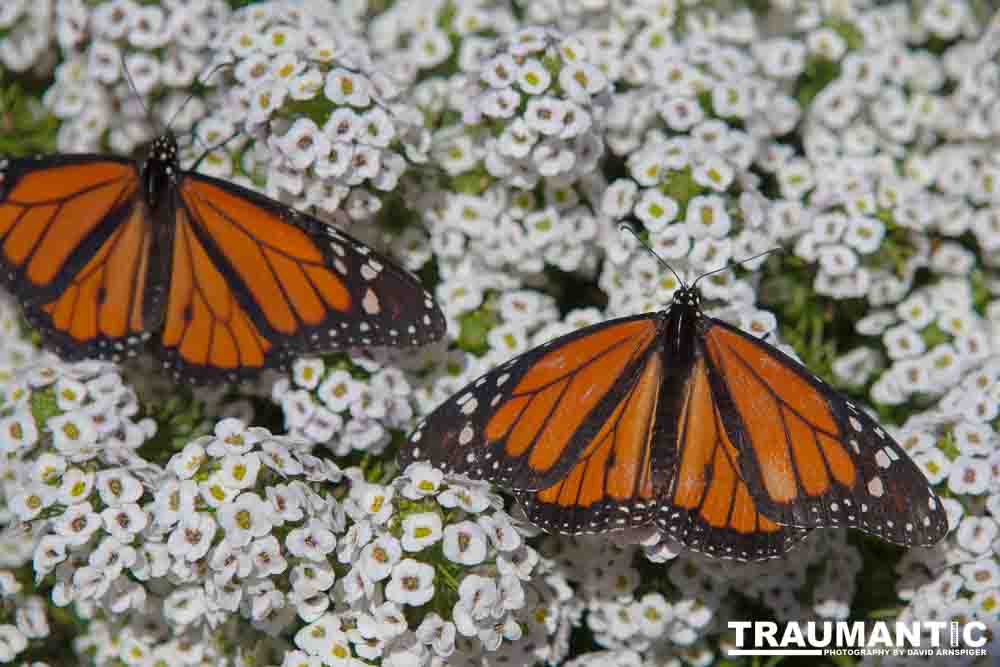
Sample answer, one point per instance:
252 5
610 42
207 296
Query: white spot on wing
882 459
370 303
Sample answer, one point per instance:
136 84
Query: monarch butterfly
678 420
107 254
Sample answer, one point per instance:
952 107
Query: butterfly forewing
75 238
811 457
524 423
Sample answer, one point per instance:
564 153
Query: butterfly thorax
160 170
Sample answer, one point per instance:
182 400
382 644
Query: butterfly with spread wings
678 420
107 255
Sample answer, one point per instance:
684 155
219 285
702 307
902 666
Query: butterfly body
678 420
107 255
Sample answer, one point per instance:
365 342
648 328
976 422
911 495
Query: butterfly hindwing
811 457
610 483
706 504
75 238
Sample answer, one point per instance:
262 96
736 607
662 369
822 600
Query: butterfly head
161 169
687 296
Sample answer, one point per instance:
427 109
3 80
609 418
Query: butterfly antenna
203 82
209 150
730 265
131 84
652 252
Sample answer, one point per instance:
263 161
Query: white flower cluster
956 445
63 429
345 406
331 129
162 49
28 613
932 337
622 594
27 31
521 137
414 37
448 552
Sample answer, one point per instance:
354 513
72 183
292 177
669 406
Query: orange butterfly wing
810 457
610 484
253 283
707 505
75 241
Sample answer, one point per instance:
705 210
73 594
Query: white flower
532 77
438 633
358 535
230 561
112 556
70 393
185 605
286 501
240 472
339 391
12 642
421 530
118 487
501 532
192 537
545 115
477 597
246 518
357 585
376 502
976 533
76 486
307 579
653 615
303 143
308 371
232 436
17 431
49 552
714 173
266 556
174 500
422 480
379 557
216 491
412 583
188 461
313 541
72 431
344 87
465 543
707 216
29 503
470 498
124 521
655 209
